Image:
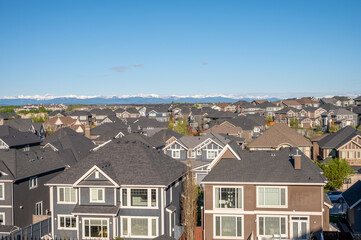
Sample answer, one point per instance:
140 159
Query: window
66 222
191 154
138 197
228 197
351 155
271 197
272 226
33 182
139 227
2 191
39 208
96 174
199 151
212 154
359 155
124 197
2 218
97 195
67 195
228 226
175 153
95 228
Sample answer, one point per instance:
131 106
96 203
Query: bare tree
189 204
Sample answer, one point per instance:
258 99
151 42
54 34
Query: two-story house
159 112
339 117
127 113
263 195
13 138
124 189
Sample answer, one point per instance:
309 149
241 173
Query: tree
189 204
335 170
294 122
269 118
333 128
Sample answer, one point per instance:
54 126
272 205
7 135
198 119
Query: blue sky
179 47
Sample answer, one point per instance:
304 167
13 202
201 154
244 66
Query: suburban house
13 138
146 126
286 114
127 113
339 117
308 102
264 195
124 189
107 131
55 123
27 125
268 108
203 148
164 137
70 144
250 125
291 103
358 101
228 129
345 143
84 117
98 115
226 107
352 198
23 197
343 101
280 136
160 112
56 113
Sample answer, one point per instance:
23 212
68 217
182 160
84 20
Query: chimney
87 132
297 161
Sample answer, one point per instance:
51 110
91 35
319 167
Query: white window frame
264 225
67 216
36 208
129 218
97 190
65 202
212 150
2 214
2 191
108 229
292 220
175 150
149 197
272 206
227 237
190 151
33 182
227 209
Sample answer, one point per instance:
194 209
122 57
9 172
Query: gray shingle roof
193 141
353 194
159 138
337 139
127 163
23 125
26 164
262 167
327 200
96 209
13 137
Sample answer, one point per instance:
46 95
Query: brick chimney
87 132
297 161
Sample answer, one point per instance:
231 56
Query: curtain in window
272 225
228 226
139 226
139 197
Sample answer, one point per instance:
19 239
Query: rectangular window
2 218
191 154
212 154
154 197
228 226
139 227
124 197
66 222
2 191
139 197
33 182
175 153
272 226
271 197
228 197
67 195
359 155
95 228
97 195
39 208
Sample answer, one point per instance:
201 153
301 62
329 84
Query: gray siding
8 198
85 197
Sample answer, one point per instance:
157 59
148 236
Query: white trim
149 198
266 183
97 193
227 237
229 209
175 141
176 150
272 206
90 171
2 191
220 155
101 145
5 146
52 209
308 224
65 216
51 146
255 212
83 227
64 202
264 229
150 218
162 208
3 214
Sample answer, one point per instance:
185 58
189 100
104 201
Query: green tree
335 170
294 122
269 118
333 128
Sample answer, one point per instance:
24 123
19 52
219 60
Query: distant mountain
122 100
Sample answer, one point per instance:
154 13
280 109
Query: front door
299 227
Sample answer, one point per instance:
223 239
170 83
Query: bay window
227 197
272 226
271 197
228 226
